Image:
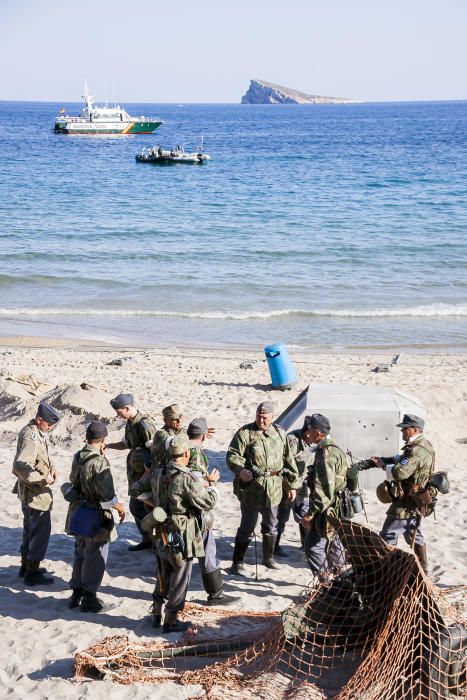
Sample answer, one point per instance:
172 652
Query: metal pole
256 557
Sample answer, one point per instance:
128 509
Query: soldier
263 464
91 482
139 434
407 473
172 416
327 477
181 498
211 572
35 474
299 441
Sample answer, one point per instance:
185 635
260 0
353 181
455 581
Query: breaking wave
423 311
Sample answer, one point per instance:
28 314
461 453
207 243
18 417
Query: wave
423 311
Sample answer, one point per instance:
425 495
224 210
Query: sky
208 50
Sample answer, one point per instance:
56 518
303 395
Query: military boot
156 614
269 542
35 577
172 624
420 553
90 603
213 586
278 550
238 565
22 568
75 599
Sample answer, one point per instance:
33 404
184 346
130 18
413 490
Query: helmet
383 492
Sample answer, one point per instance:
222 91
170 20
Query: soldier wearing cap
178 537
211 573
172 416
299 441
412 468
91 482
326 478
139 433
35 474
262 461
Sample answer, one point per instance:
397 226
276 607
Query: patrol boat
95 120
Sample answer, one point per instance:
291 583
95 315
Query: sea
321 226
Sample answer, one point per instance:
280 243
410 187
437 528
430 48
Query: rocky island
262 93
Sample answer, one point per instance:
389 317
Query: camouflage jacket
186 498
31 465
160 445
326 479
91 477
198 460
304 457
139 434
415 464
268 454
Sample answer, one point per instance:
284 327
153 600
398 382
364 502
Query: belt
271 473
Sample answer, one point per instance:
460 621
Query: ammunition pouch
423 498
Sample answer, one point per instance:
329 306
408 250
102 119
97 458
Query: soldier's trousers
392 528
139 511
323 554
89 564
250 518
299 507
36 533
172 584
209 562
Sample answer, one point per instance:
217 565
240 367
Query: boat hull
96 129
168 160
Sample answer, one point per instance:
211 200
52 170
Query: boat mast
88 98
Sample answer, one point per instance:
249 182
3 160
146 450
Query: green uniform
268 454
198 460
185 499
160 445
139 435
326 479
91 477
32 464
415 465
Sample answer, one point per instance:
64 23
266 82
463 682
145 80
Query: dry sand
39 634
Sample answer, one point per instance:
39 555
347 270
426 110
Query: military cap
306 423
320 422
179 445
172 412
197 427
122 400
48 413
411 421
96 431
265 407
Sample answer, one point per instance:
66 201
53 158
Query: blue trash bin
280 366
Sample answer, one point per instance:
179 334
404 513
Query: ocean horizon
322 226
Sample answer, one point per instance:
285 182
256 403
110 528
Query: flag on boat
62 111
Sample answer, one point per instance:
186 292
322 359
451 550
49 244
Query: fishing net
376 630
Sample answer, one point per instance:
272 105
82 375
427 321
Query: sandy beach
40 635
